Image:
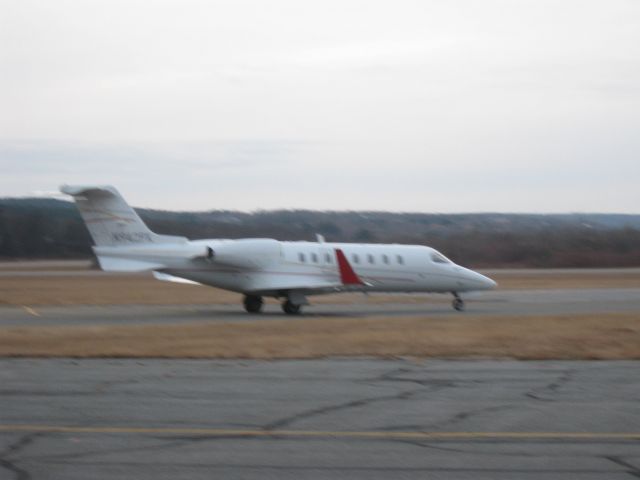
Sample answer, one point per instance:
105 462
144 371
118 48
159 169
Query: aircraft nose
477 281
488 283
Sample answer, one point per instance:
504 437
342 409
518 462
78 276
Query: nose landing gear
458 303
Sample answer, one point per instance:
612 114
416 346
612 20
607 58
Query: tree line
47 228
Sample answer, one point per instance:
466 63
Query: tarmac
316 419
499 302
65 419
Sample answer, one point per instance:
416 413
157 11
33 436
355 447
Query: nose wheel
458 303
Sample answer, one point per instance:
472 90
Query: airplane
264 267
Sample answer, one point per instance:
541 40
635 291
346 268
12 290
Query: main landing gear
291 308
458 303
253 303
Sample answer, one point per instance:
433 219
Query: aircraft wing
165 277
281 281
345 279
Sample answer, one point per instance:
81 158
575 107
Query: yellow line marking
326 434
30 311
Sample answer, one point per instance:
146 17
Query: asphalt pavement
499 302
68 419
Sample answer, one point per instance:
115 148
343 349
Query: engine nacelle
248 253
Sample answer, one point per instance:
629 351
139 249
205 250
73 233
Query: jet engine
248 253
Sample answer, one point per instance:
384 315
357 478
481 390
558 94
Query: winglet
347 275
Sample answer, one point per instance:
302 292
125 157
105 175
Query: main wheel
458 304
291 308
253 303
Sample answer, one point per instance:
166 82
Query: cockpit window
439 258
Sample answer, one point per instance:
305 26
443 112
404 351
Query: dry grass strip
142 289
123 289
610 336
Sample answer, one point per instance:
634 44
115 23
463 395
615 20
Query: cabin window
371 259
385 259
327 258
301 257
400 259
355 258
314 258
439 258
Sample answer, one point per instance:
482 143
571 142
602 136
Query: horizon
320 210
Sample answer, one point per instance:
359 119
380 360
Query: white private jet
263 267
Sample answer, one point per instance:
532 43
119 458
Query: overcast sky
432 106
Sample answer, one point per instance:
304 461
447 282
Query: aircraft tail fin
110 220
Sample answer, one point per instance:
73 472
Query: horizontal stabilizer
113 264
160 252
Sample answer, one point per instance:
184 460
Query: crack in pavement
631 469
104 386
434 384
538 393
391 376
418 443
287 421
15 448
459 417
